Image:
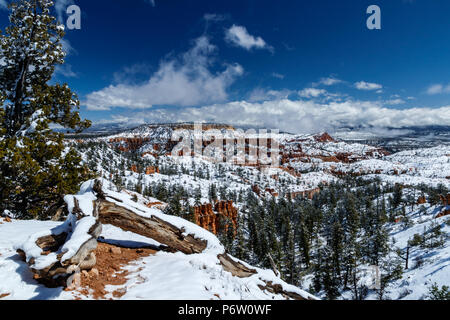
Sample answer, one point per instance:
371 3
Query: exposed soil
108 270
4 295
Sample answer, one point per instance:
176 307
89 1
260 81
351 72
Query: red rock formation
291 171
324 138
446 203
272 192
307 193
445 200
422 200
256 190
151 170
225 209
205 217
129 144
218 220
134 168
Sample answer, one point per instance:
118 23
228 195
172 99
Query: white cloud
312 92
395 101
65 70
182 81
260 94
151 2
438 89
362 85
3 4
278 75
238 35
330 81
302 116
61 8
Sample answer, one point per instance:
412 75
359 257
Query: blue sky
296 65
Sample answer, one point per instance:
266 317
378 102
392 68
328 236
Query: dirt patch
108 270
4 295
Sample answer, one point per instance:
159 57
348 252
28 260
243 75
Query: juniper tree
36 167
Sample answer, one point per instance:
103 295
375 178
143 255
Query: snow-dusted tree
36 167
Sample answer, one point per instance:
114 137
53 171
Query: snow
15 276
163 276
170 276
125 201
77 238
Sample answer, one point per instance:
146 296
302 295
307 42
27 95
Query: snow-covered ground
161 276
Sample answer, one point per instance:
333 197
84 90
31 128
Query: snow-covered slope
160 276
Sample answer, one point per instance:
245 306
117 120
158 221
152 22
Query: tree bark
155 228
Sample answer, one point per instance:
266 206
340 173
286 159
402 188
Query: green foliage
435 293
36 167
416 241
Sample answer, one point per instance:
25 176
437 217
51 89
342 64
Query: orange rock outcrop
422 200
218 220
446 203
151 170
307 193
324 138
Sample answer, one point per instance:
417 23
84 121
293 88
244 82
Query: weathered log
52 242
278 289
58 273
237 269
153 227
83 252
89 262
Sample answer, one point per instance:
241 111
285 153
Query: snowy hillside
142 175
161 275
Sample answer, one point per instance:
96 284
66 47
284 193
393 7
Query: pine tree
36 167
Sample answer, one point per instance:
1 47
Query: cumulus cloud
312 93
330 81
396 101
438 89
239 36
181 81
367 86
260 94
299 116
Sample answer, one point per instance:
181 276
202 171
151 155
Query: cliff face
325 137
446 203
129 144
148 170
307 193
218 219
422 200
151 170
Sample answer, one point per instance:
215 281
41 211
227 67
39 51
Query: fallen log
153 227
278 289
237 269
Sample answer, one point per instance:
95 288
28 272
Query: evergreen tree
36 167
